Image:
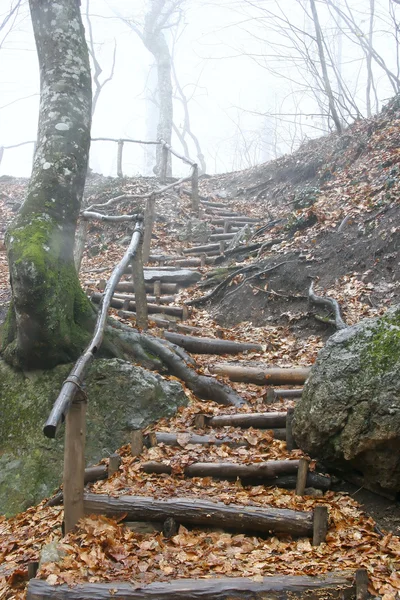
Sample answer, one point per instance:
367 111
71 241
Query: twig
330 302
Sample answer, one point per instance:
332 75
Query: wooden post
170 527
157 290
152 439
222 247
290 443
140 288
119 158
149 216
114 462
32 569
200 421
320 525
164 164
185 313
362 582
74 462
227 226
136 442
302 477
195 190
203 260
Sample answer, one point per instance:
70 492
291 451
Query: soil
336 201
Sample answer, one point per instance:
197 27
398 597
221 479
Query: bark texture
46 323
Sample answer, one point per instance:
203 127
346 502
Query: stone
121 397
195 230
349 413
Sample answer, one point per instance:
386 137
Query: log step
222 236
184 277
270 420
228 470
179 439
262 376
150 299
175 311
203 512
128 286
278 473
335 586
204 345
199 249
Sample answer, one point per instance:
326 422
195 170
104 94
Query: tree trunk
47 321
155 42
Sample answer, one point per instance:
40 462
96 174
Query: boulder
195 230
349 413
121 397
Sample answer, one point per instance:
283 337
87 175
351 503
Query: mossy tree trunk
49 314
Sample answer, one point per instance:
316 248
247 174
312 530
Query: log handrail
74 381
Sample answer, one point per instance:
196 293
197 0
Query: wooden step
335 586
268 420
204 345
262 376
175 311
203 512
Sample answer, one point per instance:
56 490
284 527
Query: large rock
120 398
349 414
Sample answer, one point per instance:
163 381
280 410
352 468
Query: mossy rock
121 397
349 413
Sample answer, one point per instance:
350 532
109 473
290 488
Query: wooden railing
70 404
166 149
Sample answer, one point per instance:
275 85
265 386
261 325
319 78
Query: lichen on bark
50 316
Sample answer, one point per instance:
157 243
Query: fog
251 71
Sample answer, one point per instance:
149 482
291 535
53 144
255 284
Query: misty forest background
241 82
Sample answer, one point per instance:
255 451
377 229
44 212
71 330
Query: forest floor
335 205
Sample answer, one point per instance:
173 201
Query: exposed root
331 303
161 355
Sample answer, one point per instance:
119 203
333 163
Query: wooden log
284 393
204 345
96 473
290 443
302 477
314 480
114 463
200 249
33 568
175 311
166 288
239 218
261 420
226 470
213 204
74 463
150 299
278 587
137 442
193 262
203 512
149 218
222 236
140 288
262 376
170 528
176 439
181 276
159 321
362 582
222 212
320 525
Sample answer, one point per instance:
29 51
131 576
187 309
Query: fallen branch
262 376
330 303
203 345
222 285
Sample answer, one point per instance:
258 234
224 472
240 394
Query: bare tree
8 21
97 68
161 15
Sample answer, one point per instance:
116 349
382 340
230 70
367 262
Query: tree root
331 303
159 354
